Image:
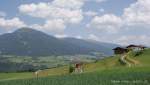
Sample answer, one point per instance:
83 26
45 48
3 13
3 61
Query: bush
121 62
71 69
138 53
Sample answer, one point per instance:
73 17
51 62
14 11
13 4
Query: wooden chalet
136 47
120 50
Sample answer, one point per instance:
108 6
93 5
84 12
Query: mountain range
30 42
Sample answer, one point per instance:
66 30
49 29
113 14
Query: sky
114 21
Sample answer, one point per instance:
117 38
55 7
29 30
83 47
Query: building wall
120 51
136 49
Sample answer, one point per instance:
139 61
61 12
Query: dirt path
123 59
132 61
127 60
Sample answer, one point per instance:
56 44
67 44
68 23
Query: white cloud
123 40
133 39
58 14
137 13
93 37
90 13
65 35
66 11
72 4
36 10
106 23
99 1
56 26
52 11
11 23
79 37
61 35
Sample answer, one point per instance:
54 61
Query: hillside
108 71
30 42
105 48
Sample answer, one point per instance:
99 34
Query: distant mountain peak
25 29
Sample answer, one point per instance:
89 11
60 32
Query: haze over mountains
30 42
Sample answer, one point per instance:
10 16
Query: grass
111 77
144 58
14 76
25 75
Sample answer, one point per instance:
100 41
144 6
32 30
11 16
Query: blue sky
114 21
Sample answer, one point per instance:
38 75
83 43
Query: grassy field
14 76
27 75
108 71
107 77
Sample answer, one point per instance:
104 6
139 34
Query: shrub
71 69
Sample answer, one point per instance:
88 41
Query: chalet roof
119 48
130 46
140 46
